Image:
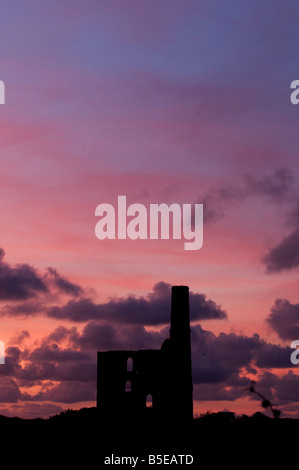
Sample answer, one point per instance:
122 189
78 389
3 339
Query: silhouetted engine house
130 381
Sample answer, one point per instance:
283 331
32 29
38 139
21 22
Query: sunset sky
164 101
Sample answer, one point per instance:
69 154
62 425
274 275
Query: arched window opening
128 386
149 401
129 364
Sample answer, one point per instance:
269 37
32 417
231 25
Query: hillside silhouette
81 437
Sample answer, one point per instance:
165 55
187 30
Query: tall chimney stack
180 315
181 351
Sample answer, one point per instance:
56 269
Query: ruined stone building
128 381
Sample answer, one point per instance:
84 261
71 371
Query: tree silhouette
265 402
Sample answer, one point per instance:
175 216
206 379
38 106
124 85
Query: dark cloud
50 362
62 366
63 284
216 200
228 391
280 390
67 374
277 187
54 354
290 410
285 255
153 309
106 336
19 338
272 356
215 357
293 218
27 291
284 319
62 334
64 392
12 365
77 310
9 390
20 282
28 308
221 363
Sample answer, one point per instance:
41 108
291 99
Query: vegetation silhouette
79 436
265 402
